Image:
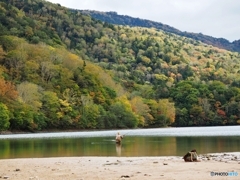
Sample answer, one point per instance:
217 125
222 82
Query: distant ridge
114 18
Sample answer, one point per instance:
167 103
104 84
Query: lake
137 142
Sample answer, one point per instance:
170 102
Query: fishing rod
126 133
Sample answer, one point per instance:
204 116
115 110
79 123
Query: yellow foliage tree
140 108
167 108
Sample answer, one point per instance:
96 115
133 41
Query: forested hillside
114 18
64 70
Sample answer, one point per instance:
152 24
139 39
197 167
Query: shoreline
90 167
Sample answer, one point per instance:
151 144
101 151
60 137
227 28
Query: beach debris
191 156
34 178
17 169
125 176
165 163
5 177
111 164
221 157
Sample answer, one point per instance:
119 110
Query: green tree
185 94
182 117
122 116
22 118
4 117
51 108
89 119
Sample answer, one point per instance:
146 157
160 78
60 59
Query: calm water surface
139 142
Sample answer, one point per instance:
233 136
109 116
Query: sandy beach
111 168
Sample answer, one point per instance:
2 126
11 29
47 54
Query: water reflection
119 149
106 146
210 144
151 142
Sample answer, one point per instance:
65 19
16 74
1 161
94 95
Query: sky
217 18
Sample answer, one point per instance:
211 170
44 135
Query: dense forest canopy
115 18
64 70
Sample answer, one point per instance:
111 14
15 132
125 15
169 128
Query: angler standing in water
119 138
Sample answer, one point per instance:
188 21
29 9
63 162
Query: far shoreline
99 130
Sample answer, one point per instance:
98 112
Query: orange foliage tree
7 90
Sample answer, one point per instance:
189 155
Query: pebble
221 157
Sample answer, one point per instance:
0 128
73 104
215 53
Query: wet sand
120 168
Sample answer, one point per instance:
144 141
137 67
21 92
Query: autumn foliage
64 70
7 90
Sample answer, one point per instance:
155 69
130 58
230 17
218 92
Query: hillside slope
114 18
63 69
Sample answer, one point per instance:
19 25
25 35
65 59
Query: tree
51 108
2 54
167 109
30 94
30 69
196 115
15 61
123 117
22 118
7 90
89 118
182 117
141 109
4 117
48 71
185 94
